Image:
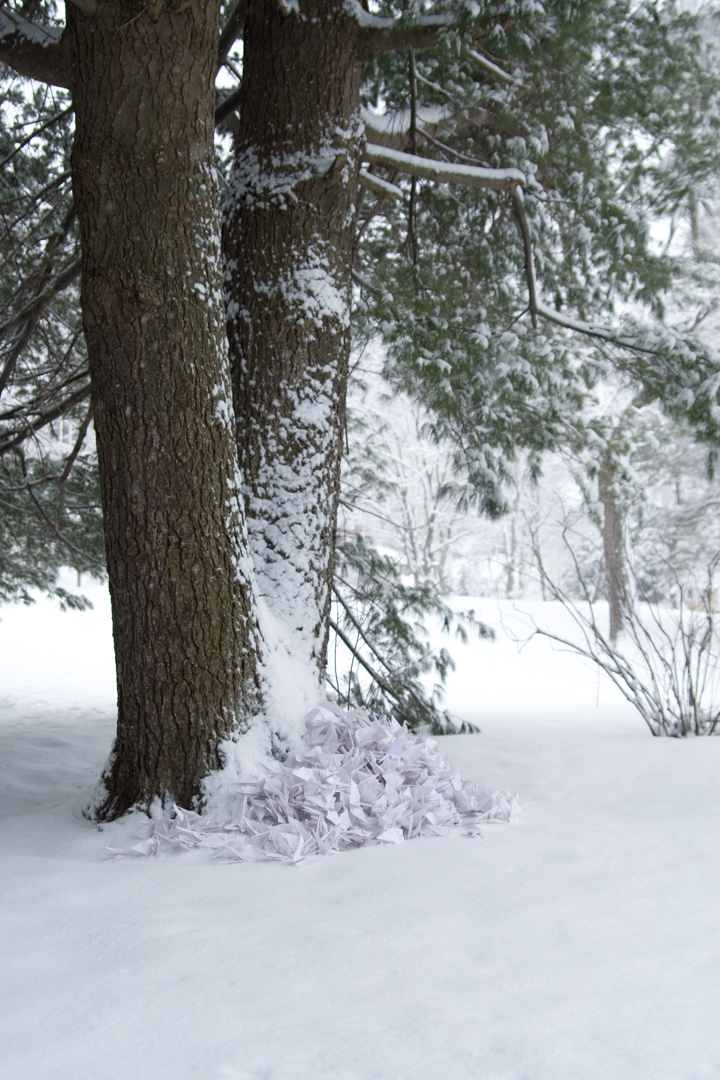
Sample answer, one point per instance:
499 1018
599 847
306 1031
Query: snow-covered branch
490 67
393 129
35 52
590 329
381 187
443 171
379 34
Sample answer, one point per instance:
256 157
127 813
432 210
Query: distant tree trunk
288 237
613 548
183 617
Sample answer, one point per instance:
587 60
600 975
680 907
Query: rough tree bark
288 235
184 624
613 549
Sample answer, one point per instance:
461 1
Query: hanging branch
527 244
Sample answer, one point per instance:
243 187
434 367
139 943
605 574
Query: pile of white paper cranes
362 780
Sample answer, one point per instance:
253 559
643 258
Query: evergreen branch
351 618
35 52
393 129
374 675
72 456
63 539
18 348
57 181
590 330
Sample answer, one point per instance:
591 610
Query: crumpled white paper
363 780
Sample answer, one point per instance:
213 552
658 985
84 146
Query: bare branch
232 30
29 429
226 106
34 134
55 286
35 52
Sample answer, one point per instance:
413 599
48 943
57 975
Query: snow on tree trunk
289 226
183 617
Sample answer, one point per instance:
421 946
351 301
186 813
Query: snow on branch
35 52
492 68
393 128
385 35
443 171
381 187
590 329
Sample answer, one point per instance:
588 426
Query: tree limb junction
35 52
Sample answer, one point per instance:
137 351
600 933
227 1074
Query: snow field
578 944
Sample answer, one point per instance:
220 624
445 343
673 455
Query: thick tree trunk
288 236
614 550
183 615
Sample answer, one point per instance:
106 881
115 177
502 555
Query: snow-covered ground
578 944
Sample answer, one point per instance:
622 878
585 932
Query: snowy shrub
665 660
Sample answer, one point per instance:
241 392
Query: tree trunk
184 623
613 549
288 236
